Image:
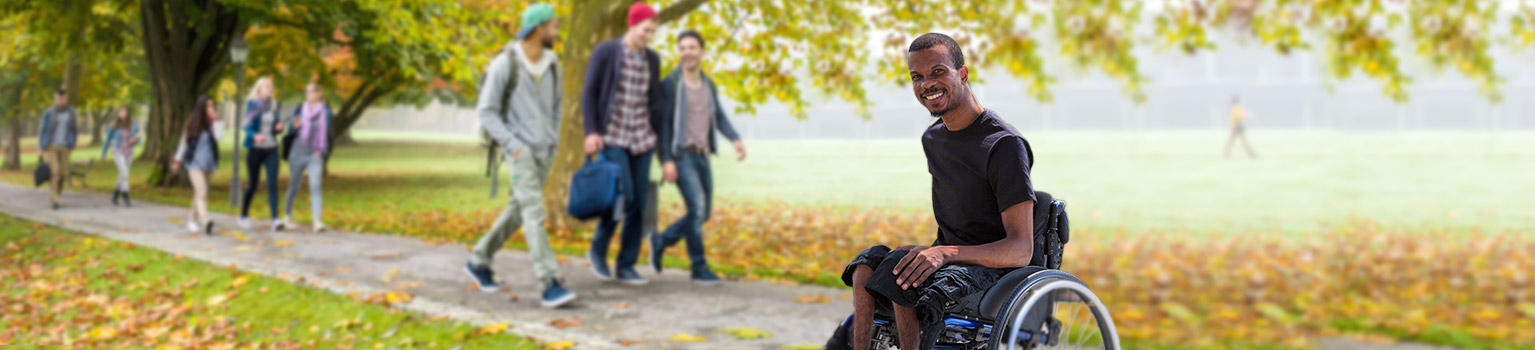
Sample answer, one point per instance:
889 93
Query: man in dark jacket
622 107
696 114
55 140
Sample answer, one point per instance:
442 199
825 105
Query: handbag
596 190
286 143
652 209
42 174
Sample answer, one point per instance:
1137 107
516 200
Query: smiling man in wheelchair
982 283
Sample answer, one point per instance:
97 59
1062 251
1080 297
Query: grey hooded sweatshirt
532 118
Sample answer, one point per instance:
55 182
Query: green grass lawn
91 291
1174 182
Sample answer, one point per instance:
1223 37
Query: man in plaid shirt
622 108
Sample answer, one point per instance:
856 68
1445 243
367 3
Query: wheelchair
1034 307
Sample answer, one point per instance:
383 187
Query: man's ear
964 74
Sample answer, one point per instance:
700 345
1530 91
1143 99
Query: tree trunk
13 144
13 117
184 62
590 24
99 119
351 111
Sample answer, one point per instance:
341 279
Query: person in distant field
519 107
622 106
55 140
121 137
1239 128
696 115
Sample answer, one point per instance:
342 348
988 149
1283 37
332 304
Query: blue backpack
596 190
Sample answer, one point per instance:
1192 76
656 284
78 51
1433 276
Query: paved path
346 262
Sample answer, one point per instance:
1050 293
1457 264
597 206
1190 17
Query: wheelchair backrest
1052 230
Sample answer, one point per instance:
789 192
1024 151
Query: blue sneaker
483 277
657 250
556 296
629 277
599 266
703 276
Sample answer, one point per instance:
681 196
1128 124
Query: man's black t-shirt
977 173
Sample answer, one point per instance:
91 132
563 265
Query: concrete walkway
609 314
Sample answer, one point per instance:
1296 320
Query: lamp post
238 50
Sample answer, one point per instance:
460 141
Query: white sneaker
192 227
245 223
319 227
278 225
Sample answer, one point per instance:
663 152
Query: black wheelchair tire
1016 303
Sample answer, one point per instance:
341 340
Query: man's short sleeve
1008 171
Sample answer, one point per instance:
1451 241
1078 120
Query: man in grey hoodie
519 107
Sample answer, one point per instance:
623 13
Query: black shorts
941 292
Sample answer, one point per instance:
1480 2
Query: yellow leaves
559 345
216 300
746 333
239 281
686 338
102 333
812 299
493 328
283 243
397 297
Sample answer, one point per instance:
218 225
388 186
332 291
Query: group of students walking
300 139
632 115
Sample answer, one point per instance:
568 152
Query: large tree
186 48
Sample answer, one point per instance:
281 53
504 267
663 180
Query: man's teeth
934 96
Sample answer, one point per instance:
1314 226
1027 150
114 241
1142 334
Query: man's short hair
929 40
689 33
60 92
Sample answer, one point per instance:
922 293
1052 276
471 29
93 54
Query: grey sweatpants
298 164
526 210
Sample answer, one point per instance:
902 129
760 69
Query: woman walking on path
199 150
311 121
261 124
121 138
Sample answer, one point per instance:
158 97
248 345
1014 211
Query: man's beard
547 43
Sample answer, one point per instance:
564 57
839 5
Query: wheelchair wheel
1055 310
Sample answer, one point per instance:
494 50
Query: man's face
690 52
645 31
60 100
550 31
938 85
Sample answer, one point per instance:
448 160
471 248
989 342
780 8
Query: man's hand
740 151
517 155
669 171
918 264
593 144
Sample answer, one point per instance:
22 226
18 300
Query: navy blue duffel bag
596 190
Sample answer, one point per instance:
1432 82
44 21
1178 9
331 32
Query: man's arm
491 108
1014 251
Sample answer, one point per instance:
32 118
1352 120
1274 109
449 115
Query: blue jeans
255 161
636 179
696 182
